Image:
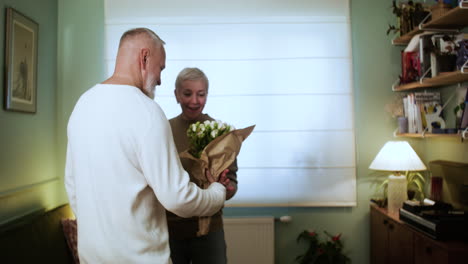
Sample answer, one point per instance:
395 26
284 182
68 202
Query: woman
191 91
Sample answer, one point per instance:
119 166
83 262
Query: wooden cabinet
391 241
427 252
394 242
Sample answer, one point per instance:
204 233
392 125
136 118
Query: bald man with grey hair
140 59
122 168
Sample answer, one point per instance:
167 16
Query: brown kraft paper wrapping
217 156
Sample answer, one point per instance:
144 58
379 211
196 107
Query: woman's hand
223 179
230 190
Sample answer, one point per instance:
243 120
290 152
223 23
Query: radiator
250 240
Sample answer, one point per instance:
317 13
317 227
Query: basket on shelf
439 9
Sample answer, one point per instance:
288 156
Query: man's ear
144 53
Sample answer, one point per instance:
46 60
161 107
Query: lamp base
397 193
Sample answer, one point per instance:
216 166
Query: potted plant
409 15
415 185
329 251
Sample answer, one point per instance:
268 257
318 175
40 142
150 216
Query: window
282 65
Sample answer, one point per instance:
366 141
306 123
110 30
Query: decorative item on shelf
402 124
395 108
445 49
329 251
433 118
397 157
409 15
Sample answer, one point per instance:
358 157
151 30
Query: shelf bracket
464 66
423 134
424 75
420 26
395 84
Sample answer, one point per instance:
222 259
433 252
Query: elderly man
122 168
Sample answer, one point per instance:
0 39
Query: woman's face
191 96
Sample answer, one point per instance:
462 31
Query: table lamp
397 157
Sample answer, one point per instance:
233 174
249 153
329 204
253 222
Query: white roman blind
282 65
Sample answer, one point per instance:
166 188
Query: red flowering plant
329 251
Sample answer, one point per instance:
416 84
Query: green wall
71 59
29 179
81 62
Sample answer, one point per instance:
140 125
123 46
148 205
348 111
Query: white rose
222 126
214 133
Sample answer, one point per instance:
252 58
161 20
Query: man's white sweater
122 171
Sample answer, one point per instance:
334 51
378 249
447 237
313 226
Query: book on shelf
410 67
423 111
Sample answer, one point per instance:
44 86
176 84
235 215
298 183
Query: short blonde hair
191 74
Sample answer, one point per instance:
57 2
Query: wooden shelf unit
439 80
453 21
428 135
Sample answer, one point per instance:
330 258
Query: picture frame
21 46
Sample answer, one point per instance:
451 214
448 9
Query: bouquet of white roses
213 145
200 134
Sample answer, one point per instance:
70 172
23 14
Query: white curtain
282 65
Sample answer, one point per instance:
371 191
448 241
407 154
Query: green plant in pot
415 185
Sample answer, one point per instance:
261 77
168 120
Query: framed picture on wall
20 62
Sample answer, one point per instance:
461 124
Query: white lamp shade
397 156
